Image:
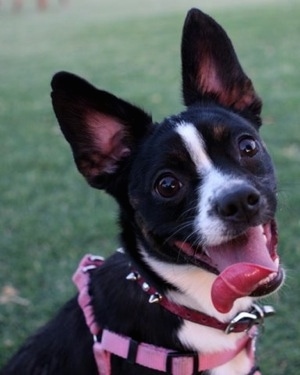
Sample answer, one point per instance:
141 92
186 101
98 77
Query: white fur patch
210 228
194 145
194 288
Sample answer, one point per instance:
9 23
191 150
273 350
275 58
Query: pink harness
153 357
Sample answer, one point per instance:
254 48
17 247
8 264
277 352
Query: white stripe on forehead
195 145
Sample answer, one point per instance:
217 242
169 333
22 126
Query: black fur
117 148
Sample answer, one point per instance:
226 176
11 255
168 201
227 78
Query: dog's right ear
102 129
211 70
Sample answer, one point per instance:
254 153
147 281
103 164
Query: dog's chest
197 337
206 340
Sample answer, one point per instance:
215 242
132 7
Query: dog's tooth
268 279
133 276
155 298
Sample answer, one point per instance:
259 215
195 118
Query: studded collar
243 321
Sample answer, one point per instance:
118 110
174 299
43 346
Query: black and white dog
197 197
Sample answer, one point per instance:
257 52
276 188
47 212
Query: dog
197 198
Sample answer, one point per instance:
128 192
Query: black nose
240 203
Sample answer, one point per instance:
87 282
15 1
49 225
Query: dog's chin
246 265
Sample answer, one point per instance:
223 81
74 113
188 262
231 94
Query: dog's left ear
211 70
102 129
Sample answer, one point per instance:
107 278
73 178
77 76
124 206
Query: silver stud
155 298
133 276
96 258
88 268
145 287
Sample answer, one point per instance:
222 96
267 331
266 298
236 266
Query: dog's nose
240 203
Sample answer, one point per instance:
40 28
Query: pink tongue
242 264
236 281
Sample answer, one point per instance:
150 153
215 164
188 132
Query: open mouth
247 265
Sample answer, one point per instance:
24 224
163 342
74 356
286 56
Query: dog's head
197 189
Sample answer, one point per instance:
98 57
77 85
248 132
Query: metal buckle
192 355
256 316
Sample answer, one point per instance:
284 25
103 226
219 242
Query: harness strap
154 357
166 360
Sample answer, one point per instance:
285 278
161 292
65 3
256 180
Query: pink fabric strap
144 354
81 279
165 360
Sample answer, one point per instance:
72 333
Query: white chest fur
194 287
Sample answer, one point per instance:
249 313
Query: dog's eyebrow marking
219 131
194 144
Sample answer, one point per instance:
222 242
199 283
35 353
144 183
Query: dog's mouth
247 265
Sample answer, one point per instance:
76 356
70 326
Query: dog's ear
211 70
101 128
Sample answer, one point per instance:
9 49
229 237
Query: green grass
50 217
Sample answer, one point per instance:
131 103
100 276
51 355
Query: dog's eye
167 186
248 147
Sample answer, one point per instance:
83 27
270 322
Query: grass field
50 217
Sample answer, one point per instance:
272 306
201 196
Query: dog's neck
192 289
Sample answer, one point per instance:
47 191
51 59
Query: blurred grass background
49 216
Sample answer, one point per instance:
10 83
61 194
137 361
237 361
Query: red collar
158 358
240 323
